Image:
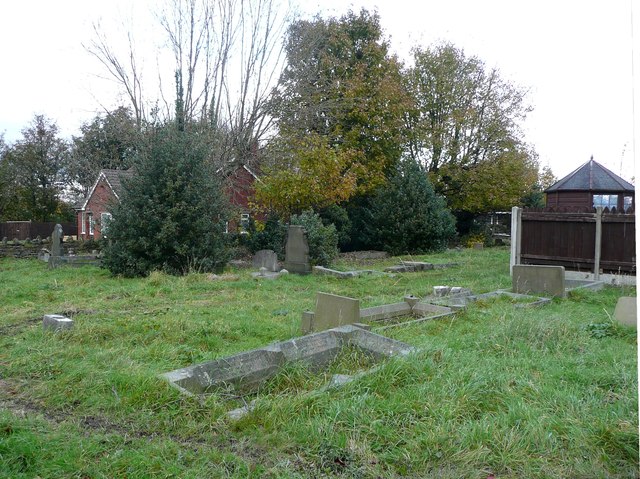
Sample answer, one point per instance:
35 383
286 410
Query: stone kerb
297 251
538 279
56 322
244 372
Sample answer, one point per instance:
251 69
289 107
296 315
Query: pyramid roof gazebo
590 186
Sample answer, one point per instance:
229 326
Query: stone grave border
245 372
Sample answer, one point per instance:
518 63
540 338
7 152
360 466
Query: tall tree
465 129
39 162
342 86
110 140
226 54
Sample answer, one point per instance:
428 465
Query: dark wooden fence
30 229
572 238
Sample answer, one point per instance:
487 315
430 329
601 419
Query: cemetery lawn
497 390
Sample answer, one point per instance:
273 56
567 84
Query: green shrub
405 215
323 240
271 236
172 212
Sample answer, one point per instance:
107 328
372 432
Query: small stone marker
44 254
266 258
627 311
297 251
333 311
56 322
538 279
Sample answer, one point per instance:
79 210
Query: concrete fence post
598 248
516 237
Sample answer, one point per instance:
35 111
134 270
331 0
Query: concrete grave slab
266 258
245 372
297 251
413 266
538 279
341 274
626 311
56 322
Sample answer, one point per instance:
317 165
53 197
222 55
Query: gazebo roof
592 176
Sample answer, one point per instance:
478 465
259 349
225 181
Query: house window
105 218
83 223
244 223
91 224
628 202
606 201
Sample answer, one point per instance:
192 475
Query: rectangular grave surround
244 372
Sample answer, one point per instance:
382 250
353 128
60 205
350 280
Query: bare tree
125 72
227 55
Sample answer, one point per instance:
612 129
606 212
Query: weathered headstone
56 322
297 251
333 311
538 279
627 311
266 258
56 241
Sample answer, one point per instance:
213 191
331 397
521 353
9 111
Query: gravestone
56 241
266 258
333 311
538 279
56 247
627 311
297 251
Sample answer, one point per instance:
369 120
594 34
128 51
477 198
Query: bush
323 240
339 217
272 236
404 216
172 212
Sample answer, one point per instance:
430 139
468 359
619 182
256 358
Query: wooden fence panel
30 229
569 239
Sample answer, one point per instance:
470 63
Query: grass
513 392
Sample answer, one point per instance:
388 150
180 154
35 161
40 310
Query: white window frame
91 224
83 223
105 218
244 223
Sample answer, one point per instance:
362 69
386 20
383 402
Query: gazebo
590 186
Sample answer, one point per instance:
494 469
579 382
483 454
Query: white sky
575 57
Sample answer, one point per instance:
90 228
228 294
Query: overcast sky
574 57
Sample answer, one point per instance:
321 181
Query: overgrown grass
547 392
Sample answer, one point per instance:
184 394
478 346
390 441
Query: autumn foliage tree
465 128
339 111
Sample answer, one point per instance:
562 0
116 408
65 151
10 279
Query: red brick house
94 213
